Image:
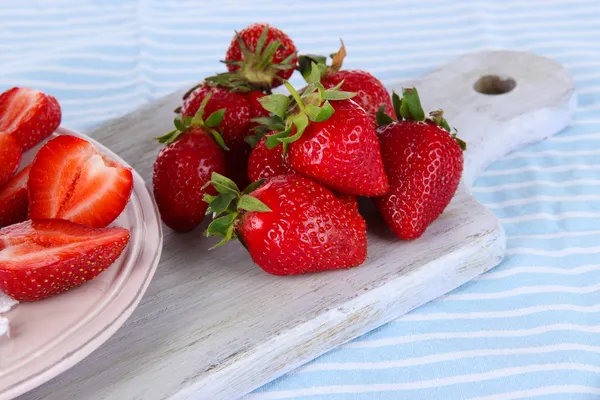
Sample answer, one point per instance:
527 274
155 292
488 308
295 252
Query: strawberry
265 163
263 55
184 167
235 125
371 94
10 157
70 179
39 259
28 115
349 201
290 225
424 163
13 199
334 142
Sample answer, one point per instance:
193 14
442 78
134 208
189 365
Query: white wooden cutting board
214 326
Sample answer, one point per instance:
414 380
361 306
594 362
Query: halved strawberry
39 259
71 180
10 157
28 115
13 199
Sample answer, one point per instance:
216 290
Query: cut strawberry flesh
10 157
42 258
22 103
28 115
71 180
13 199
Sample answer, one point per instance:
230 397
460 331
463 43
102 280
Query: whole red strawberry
13 199
263 55
265 163
424 163
370 92
39 259
28 115
10 157
184 167
290 225
71 180
235 125
328 137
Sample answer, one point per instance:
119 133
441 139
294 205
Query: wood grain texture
214 326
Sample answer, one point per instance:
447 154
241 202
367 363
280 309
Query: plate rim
76 355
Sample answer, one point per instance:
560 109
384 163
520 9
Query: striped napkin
530 327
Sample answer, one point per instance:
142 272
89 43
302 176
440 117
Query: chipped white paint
214 326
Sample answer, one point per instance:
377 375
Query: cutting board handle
499 101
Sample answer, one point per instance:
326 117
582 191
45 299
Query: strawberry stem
295 95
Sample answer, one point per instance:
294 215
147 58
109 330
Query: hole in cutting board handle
494 84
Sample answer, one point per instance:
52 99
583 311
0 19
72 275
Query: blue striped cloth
529 328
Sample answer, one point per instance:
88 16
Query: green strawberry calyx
408 108
290 115
307 62
257 67
228 205
210 124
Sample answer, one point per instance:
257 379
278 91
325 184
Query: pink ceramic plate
50 336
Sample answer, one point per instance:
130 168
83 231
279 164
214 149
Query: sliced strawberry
28 115
71 180
10 157
39 259
13 199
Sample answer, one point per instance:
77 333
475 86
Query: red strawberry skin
349 201
250 36
180 173
71 180
266 163
308 229
236 122
342 153
424 164
10 157
13 199
371 93
28 115
39 259
256 109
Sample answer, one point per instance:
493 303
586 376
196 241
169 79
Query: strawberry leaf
276 103
179 124
221 202
300 121
215 118
222 227
219 139
253 204
262 39
397 103
331 94
223 184
253 186
272 141
170 137
305 63
411 108
315 74
382 118
323 113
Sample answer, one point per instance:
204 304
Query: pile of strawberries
54 213
281 173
